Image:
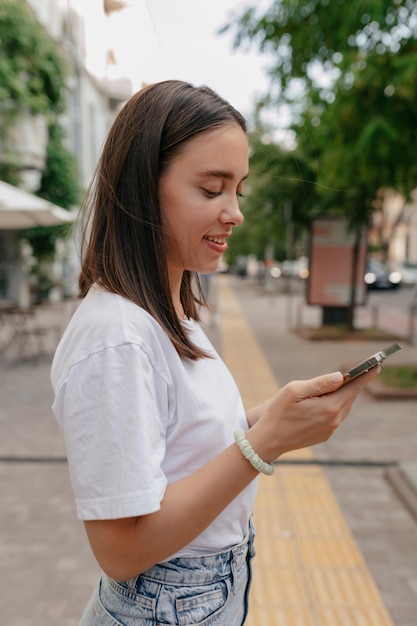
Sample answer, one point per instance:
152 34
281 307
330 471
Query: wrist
251 455
263 442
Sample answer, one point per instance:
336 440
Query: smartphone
368 364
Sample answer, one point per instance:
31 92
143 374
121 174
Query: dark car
379 276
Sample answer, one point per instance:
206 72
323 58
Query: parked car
379 276
408 274
297 268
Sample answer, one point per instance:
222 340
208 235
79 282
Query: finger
319 386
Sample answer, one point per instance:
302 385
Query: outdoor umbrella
20 209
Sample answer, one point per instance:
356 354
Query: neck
175 287
180 313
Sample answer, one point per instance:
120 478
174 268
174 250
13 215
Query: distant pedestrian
163 457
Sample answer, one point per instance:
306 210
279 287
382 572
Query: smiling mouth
215 239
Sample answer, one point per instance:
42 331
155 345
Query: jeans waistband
199 569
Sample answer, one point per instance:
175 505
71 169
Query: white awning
20 209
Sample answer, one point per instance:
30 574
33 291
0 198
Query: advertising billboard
331 263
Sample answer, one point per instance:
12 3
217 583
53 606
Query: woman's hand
304 413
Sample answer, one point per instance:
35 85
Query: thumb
326 383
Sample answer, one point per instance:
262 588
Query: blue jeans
210 590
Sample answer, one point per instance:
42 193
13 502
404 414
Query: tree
317 42
347 69
281 181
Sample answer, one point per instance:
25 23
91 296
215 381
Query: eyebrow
220 174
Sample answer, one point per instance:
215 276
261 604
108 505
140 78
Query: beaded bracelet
250 454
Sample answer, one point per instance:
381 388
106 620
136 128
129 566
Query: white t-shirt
136 416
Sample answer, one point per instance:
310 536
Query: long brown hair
123 239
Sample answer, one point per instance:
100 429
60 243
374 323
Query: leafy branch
32 71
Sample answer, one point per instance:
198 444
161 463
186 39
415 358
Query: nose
231 213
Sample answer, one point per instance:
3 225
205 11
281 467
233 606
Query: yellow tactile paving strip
308 570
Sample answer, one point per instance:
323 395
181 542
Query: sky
176 39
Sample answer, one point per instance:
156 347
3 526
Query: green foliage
9 172
43 240
400 376
281 189
309 41
59 182
347 68
366 137
59 185
32 72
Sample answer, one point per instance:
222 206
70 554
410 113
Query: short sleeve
115 408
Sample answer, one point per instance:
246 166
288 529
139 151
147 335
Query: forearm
124 548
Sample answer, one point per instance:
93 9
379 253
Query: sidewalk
355 461
329 524
309 570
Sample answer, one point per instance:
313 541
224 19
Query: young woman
162 456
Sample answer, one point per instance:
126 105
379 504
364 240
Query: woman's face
199 196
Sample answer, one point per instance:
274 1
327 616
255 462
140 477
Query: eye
240 194
212 194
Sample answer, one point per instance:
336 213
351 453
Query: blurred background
328 249
330 97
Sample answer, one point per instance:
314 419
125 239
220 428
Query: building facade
95 92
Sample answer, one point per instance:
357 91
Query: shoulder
106 324
106 319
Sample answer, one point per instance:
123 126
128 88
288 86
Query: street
400 298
